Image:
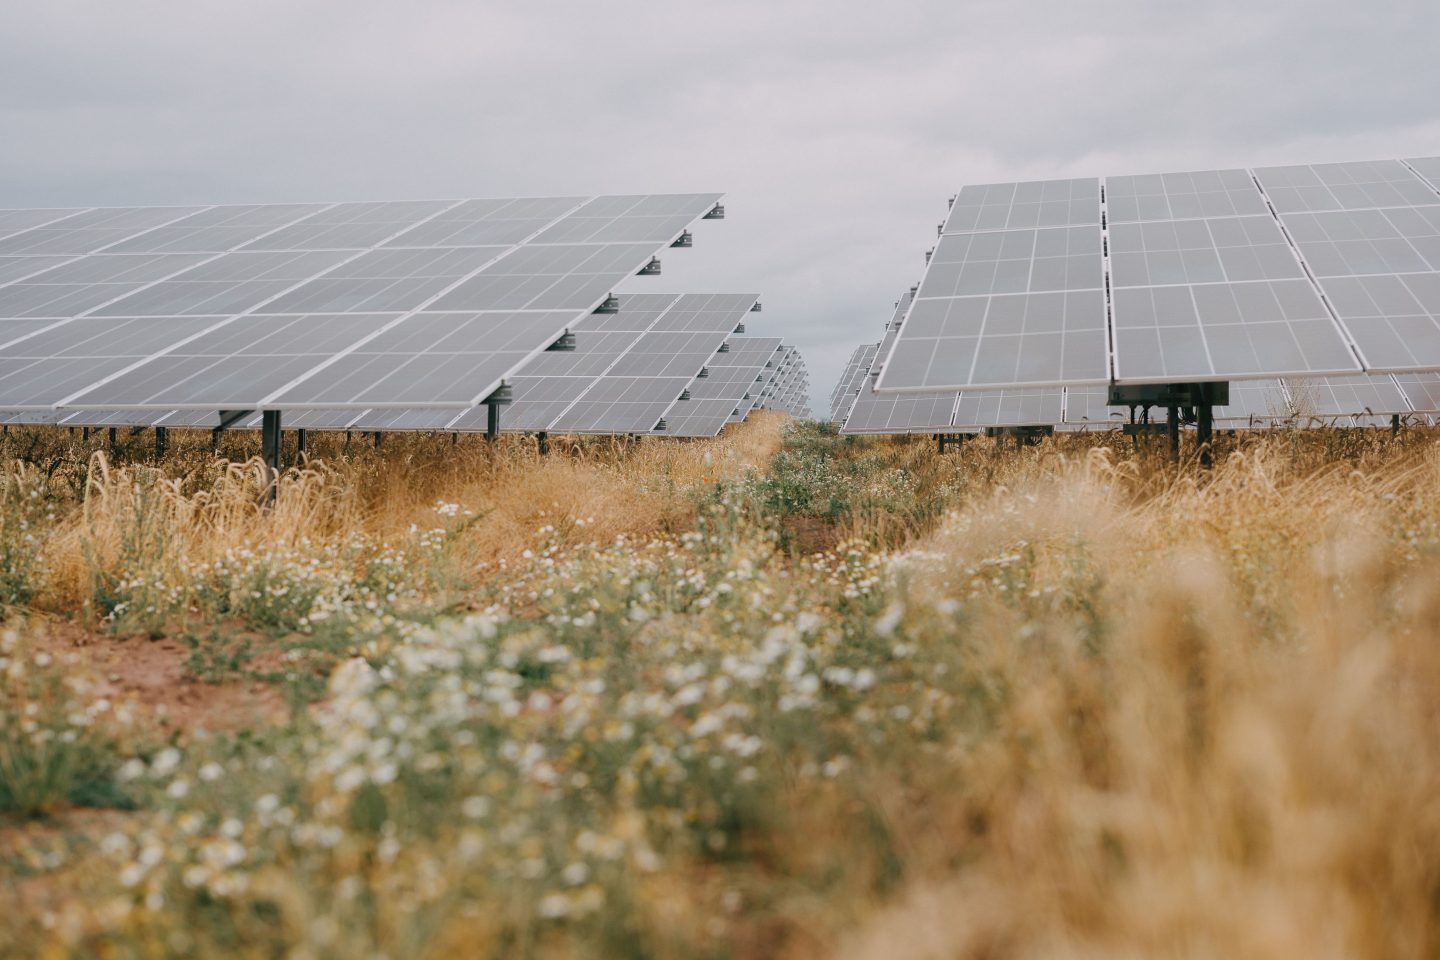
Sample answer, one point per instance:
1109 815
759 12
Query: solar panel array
1357 399
847 389
328 307
728 392
788 389
1309 271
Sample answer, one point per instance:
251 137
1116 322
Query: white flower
165 761
889 620
130 769
211 772
553 906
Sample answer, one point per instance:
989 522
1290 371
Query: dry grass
1062 701
1230 748
161 520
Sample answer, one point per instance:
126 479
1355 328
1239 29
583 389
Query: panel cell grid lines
1370 234
1421 389
1346 396
1026 407
1202 297
1255 402
1038 203
546 386
872 412
698 417
651 348
754 356
1301 271
301 306
1019 303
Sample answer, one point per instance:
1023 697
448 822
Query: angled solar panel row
611 357
729 391
1302 271
1252 402
349 305
847 389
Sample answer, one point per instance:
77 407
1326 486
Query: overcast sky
837 129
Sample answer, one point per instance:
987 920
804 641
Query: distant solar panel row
851 380
1299 271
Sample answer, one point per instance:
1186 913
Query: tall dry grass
1213 720
1067 700
127 515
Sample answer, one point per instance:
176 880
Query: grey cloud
837 128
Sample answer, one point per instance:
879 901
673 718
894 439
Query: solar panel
663 338
1089 406
1024 407
872 412
1040 203
900 413
1255 402
1422 390
847 388
1370 234
1359 185
1013 293
622 405
1204 297
758 354
546 386
87 231
1346 396
1304 271
349 305
698 417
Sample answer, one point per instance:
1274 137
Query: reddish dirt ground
155 676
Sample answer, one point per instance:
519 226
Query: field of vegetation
781 694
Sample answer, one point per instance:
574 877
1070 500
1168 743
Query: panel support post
455 438
270 437
112 440
542 443
1204 429
1172 430
85 435
492 421
377 439
300 441
162 437
945 440
1394 424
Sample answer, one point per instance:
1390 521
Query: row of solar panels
1352 400
1221 275
667 364
345 306
790 391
